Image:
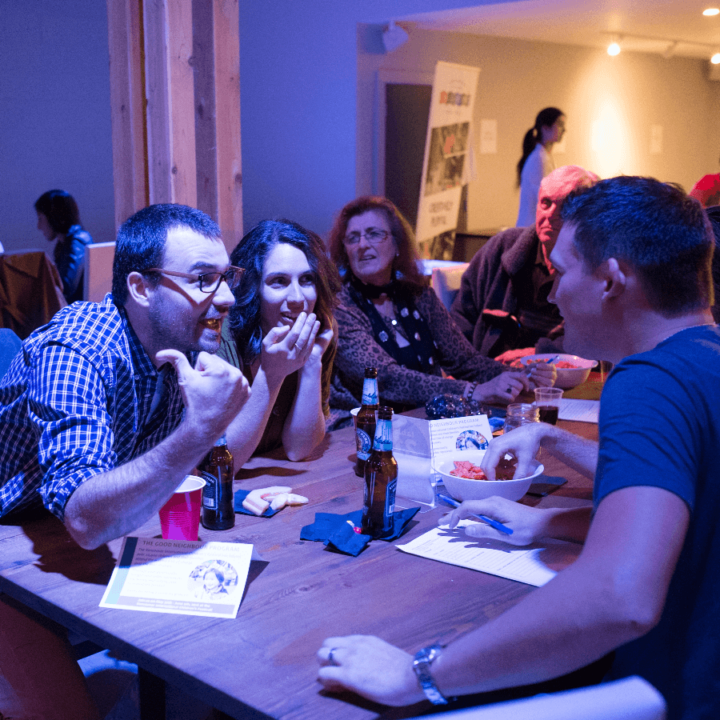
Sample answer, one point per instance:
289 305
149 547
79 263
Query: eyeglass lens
372 235
210 282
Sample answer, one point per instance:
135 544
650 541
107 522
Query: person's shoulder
78 234
685 366
87 327
501 243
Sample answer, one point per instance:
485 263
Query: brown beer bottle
365 421
380 479
218 510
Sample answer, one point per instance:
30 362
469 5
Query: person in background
390 319
707 190
634 286
59 221
280 334
502 307
536 161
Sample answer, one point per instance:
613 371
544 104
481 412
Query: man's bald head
554 188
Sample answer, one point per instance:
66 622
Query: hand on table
213 391
370 667
502 389
527 523
286 349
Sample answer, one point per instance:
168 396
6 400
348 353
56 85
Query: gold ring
331 657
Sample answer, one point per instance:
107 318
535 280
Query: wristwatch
421 666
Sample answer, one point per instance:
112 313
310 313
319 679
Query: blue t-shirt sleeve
649 432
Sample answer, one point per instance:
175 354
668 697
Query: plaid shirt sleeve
68 405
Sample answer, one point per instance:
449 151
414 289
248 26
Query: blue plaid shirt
75 403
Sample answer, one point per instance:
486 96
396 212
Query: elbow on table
84 536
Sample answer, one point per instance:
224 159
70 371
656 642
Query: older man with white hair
503 302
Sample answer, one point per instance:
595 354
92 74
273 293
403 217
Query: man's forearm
114 503
580 454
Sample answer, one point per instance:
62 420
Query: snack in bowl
463 488
572 370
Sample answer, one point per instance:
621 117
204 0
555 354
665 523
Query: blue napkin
240 495
338 531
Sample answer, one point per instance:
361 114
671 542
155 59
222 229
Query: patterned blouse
399 387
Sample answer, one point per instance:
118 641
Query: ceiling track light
711 12
614 46
670 49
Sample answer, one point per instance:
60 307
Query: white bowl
567 378
466 489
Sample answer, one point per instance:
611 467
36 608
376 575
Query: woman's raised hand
286 349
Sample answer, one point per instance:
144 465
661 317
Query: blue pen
492 523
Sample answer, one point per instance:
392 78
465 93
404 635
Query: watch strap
421 666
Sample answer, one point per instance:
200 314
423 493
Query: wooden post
127 106
175 92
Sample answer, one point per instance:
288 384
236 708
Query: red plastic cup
180 515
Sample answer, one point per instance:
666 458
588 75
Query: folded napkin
339 532
240 495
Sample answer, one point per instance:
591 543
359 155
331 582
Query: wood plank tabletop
262 663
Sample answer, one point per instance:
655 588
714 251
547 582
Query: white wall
626 94
54 114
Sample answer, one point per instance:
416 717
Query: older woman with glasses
280 334
390 319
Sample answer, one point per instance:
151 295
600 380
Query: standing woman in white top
536 161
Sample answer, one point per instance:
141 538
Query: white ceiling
583 22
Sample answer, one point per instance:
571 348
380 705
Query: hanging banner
447 157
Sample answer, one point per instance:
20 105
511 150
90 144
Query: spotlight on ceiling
614 47
711 11
715 59
394 37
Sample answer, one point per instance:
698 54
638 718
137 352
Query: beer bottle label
363 444
390 498
210 491
370 392
383 435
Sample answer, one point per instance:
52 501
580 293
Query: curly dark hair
251 253
407 258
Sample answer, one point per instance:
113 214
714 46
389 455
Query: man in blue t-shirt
634 287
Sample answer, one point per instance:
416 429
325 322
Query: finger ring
331 657
509 389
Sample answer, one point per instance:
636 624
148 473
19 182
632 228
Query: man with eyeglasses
102 414
91 414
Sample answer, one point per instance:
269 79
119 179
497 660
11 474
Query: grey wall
54 114
624 96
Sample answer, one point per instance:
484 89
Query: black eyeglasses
209 282
373 235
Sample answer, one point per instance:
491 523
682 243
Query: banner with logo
447 157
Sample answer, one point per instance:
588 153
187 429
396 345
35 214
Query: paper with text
179 577
533 565
452 438
579 410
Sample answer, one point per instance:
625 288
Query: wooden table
263 662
